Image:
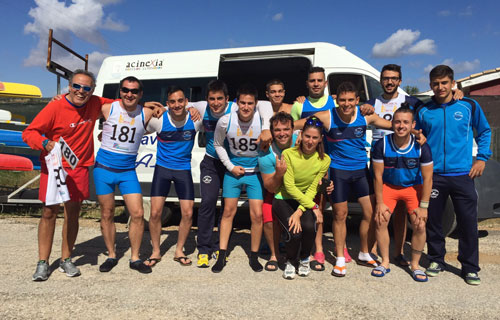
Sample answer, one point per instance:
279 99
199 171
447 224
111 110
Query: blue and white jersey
385 109
346 142
308 109
402 167
449 132
121 137
175 141
209 124
267 159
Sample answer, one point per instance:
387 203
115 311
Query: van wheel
449 218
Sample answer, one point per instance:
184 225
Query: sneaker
42 271
472 278
304 268
109 264
434 269
67 266
139 266
202 261
289 272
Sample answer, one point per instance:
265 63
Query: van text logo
144 65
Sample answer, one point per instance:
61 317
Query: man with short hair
449 126
124 126
176 133
240 130
275 92
402 172
71 118
211 168
272 169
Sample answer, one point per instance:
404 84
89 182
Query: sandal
339 271
371 263
320 257
183 261
380 271
416 273
316 266
271 265
152 261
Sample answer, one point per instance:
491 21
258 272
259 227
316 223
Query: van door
368 87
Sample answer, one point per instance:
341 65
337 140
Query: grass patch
15 179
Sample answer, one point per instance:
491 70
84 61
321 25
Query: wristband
44 143
315 206
424 204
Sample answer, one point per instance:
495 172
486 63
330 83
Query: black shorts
359 182
182 179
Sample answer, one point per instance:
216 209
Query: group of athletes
421 154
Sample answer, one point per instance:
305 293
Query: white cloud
458 67
66 21
402 42
467 11
444 13
278 16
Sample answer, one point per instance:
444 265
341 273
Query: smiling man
450 126
275 92
122 132
71 118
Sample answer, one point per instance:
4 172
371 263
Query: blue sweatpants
464 197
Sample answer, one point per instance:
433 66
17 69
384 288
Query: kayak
15 163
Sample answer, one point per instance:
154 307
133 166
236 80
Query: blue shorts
232 186
106 179
346 181
182 179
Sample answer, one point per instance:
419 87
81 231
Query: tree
411 90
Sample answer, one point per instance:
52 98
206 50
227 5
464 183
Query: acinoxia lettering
144 65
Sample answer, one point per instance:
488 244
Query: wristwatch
315 206
424 204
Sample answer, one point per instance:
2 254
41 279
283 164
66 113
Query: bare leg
46 228
157 204
133 201
226 223
184 226
366 227
339 227
417 243
399 226
70 227
108 230
269 233
383 242
256 228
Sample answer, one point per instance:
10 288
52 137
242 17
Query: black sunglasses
77 86
127 90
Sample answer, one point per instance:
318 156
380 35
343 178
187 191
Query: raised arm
324 116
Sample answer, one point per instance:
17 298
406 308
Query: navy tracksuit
449 131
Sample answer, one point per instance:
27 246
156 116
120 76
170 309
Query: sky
416 35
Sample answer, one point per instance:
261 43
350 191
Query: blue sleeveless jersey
175 145
308 109
401 166
346 142
209 124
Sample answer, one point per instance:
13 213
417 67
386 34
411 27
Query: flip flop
316 266
416 273
401 261
152 261
271 263
182 261
383 271
371 263
339 271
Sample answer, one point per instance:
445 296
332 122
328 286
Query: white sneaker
289 272
304 267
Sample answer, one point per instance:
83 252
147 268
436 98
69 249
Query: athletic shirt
57 190
401 166
385 109
241 137
121 137
346 142
308 109
175 144
209 124
267 159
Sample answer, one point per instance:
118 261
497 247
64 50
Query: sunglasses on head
313 121
127 90
77 86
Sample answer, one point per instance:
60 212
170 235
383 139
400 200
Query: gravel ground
174 291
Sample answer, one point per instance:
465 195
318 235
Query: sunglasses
127 90
314 122
77 87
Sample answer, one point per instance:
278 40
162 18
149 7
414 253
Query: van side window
374 87
335 79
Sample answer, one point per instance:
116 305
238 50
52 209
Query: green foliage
411 90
